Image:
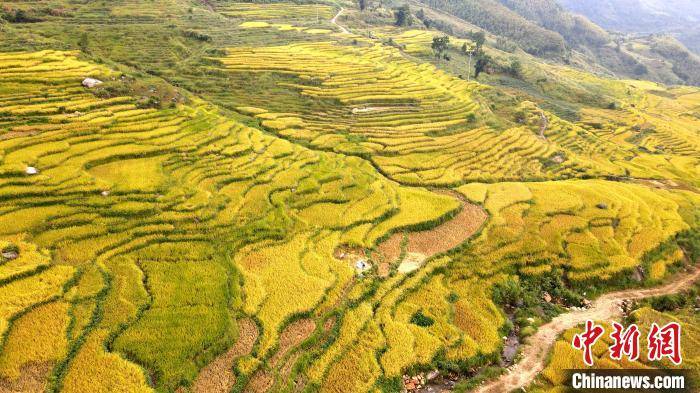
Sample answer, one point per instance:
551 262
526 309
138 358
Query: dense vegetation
678 17
544 28
257 198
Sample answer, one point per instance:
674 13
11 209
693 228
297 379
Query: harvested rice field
225 196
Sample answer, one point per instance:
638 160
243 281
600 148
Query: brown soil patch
348 252
390 249
260 382
218 375
384 269
300 384
293 335
286 369
356 257
33 378
17 134
450 234
442 238
666 184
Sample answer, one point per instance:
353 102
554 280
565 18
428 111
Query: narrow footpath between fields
335 21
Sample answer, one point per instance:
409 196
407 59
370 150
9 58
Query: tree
440 45
640 69
20 17
469 51
479 39
469 66
403 16
83 43
482 62
362 4
515 68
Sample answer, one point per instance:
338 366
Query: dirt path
543 125
218 376
605 308
335 21
208 4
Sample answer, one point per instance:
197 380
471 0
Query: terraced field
127 197
421 126
256 201
418 125
596 229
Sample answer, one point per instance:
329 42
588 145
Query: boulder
91 82
10 255
602 206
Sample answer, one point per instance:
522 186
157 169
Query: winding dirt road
605 308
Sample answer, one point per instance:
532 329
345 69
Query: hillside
679 17
306 197
544 28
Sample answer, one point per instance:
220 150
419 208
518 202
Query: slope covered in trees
545 28
679 17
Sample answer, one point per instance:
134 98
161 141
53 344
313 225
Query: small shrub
421 319
668 302
196 35
452 297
